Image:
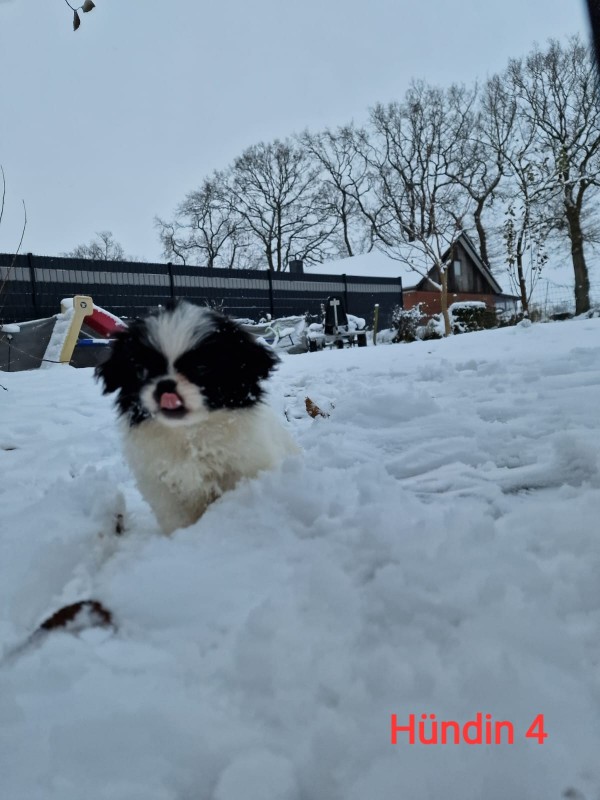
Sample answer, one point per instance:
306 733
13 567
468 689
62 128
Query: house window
457 269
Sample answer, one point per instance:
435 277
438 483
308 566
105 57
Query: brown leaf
87 6
78 616
313 410
76 21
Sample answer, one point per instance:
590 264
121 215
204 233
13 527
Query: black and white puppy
190 397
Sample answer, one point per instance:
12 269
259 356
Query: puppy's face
182 363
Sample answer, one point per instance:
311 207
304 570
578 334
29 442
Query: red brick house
468 277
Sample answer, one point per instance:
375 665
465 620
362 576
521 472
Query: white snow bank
58 337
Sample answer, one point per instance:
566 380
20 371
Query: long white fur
181 470
177 332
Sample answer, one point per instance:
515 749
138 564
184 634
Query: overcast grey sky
105 128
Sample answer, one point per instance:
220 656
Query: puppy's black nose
163 387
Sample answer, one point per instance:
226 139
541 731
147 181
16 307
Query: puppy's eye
149 364
191 364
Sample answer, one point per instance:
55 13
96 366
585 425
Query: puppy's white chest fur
181 470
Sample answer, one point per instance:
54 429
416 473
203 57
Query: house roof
373 264
467 243
381 265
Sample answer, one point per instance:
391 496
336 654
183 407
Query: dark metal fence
35 285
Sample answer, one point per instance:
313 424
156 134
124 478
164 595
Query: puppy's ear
254 358
126 369
229 365
244 352
115 371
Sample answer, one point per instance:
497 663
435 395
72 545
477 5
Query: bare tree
422 208
207 229
346 184
102 248
528 218
557 92
482 121
278 195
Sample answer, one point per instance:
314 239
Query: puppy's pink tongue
170 401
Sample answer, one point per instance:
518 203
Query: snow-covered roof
375 263
381 265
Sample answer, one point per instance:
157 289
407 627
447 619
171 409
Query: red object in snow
103 323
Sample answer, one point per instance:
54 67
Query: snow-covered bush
593 313
472 315
411 324
406 323
507 318
433 329
386 336
465 317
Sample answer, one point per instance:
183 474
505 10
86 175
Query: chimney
296 266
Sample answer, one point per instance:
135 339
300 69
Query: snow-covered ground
435 550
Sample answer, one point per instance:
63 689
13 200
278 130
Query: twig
75 9
11 267
3 192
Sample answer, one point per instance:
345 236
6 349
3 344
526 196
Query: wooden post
444 303
82 307
375 322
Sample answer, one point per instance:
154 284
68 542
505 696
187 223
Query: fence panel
238 292
35 285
